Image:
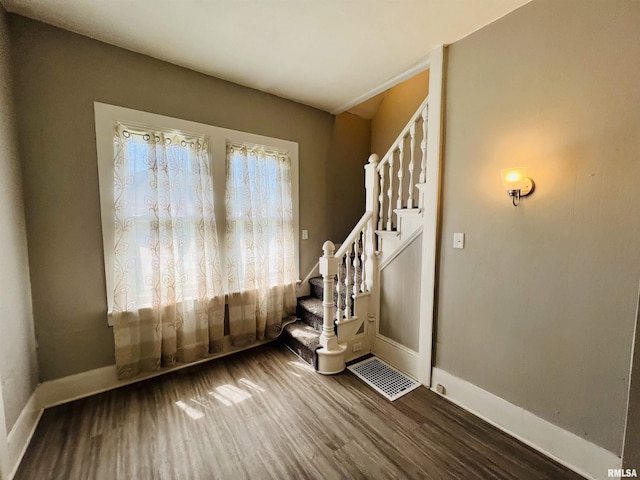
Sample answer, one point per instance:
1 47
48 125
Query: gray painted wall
345 190
58 76
398 105
539 308
18 369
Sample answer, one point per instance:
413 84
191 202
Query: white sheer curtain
168 294
260 255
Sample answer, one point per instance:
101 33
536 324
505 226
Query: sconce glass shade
514 178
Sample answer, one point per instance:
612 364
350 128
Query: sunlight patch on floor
227 394
221 399
192 412
302 366
201 402
251 385
230 394
233 393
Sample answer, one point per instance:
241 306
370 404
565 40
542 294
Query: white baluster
400 172
370 248
363 262
347 293
372 185
381 196
412 133
390 193
338 291
423 145
356 265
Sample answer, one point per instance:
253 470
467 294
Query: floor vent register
383 378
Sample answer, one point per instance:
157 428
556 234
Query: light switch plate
458 240
305 234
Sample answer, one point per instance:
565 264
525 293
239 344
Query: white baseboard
74 387
22 431
565 447
99 380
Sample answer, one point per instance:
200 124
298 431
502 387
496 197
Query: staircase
337 309
303 336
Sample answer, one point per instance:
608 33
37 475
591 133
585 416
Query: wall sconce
517 183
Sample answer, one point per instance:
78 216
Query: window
259 218
146 132
177 236
165 242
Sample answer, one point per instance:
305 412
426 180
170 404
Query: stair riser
317 291
300 350
309 318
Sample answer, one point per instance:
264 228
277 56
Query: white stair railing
400 176
352 268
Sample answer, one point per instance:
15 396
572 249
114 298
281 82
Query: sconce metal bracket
516 195
529 187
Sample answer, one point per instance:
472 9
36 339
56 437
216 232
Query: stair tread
312 305
305 334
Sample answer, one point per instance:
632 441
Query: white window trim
106 116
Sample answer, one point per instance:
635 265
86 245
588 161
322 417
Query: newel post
331 353
328 270
371 184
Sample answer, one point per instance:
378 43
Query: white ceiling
328 54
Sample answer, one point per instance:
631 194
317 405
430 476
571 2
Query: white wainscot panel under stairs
397 335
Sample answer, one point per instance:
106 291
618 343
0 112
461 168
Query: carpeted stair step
302 340
310 311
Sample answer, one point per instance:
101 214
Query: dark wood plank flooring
263 414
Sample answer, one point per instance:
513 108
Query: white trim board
431 198
565 447
634 345
416 68
5 464
92 382
20 435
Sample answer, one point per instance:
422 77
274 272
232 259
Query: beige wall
345 173
399 103
631 456
18 368
539 307
59 75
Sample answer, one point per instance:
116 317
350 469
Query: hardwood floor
264 414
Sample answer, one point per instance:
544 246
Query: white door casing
419 363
